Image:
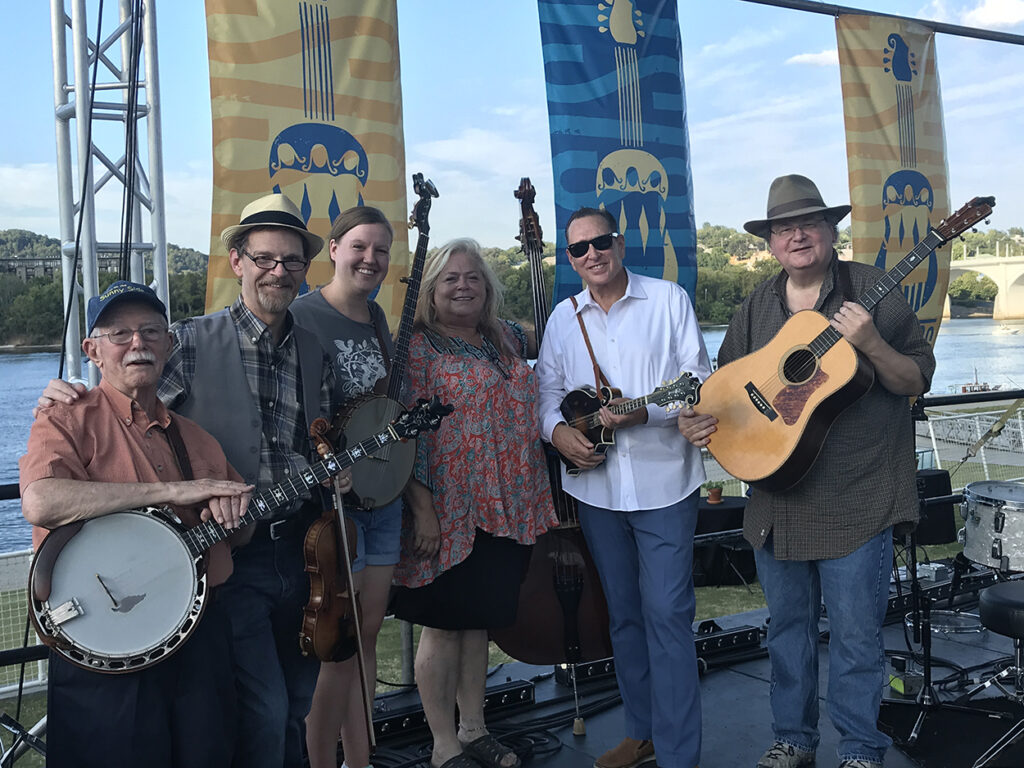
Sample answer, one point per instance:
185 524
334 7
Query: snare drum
993 532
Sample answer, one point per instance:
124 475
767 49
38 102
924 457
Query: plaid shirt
273 375
863 481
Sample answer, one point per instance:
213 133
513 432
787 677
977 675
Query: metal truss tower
102 157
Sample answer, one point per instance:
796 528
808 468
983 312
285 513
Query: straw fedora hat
273 210
791 196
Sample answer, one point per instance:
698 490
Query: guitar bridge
66 611
759 402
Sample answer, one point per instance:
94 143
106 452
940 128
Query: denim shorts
378 533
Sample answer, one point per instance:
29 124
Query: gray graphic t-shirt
351 345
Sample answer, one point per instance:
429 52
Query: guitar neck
412 292
885 285
263 503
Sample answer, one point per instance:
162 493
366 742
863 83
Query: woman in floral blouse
479 496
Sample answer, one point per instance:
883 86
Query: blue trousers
856 593
645 561
264 598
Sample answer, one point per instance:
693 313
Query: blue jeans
264 598
645 562
856 592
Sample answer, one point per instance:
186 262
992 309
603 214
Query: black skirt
481 592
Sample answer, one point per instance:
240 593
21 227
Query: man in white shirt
638 501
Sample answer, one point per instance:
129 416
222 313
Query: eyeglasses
121 336
600 243
790 227
265 262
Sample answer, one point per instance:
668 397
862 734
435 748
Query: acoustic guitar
581 406
776 405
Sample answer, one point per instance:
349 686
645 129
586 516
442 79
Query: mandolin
776 405
581 406
380 480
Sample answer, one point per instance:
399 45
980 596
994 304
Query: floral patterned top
485 465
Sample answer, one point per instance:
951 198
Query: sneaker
629 754
859 763
782 755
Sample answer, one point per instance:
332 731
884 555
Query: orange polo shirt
106 437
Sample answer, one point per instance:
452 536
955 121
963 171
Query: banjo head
125 593
381 476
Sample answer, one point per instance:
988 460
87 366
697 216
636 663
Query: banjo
382 478
120 592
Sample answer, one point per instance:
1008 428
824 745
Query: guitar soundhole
799 366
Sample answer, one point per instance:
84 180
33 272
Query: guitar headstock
425 189
425 416
682 390
530 235
979 208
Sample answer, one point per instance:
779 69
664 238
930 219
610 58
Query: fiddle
331 620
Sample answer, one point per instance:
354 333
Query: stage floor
737 719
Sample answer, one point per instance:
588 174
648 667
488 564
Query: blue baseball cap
122 290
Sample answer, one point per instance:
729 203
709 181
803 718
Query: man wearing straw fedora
255 380
829 537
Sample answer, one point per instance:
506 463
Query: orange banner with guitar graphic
896 151
306 100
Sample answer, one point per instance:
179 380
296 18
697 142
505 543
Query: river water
966 348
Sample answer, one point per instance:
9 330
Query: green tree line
31 312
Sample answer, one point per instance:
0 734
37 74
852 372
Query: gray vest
220 400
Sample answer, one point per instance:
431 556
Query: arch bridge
1008 275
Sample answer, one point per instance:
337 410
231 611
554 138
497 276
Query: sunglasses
600 243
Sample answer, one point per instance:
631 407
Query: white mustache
142 356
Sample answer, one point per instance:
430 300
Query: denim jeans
645 562
855 589
264 598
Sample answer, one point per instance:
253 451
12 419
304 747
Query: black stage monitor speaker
938 523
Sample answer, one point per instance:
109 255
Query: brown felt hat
273 210
791 196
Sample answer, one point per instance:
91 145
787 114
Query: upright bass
562 616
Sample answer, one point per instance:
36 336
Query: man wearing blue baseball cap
255 380
115 450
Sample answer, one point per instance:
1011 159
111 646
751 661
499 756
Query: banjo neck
263 503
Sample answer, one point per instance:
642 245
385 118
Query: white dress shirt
648 337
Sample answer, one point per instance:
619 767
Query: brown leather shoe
629 754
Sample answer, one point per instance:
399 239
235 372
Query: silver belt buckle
277 529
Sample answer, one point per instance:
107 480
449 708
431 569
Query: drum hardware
24 739
920 620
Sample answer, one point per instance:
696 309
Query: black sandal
490 752
461 760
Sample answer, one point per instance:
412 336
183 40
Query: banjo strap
178 446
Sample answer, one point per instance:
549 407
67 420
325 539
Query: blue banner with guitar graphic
617 114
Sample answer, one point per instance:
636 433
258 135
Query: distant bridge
1006 273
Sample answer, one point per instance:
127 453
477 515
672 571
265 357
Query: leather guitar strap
599 379
178 446
845 285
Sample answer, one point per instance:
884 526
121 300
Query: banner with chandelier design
896 151
617 117
307 101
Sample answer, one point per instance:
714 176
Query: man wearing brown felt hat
829 536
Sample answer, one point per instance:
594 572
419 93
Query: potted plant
714 489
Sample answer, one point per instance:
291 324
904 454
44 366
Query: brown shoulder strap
599 379
178 446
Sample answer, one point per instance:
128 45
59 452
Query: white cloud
741 42
28 198
829 58
995 14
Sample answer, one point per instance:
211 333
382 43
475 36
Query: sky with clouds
762 91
